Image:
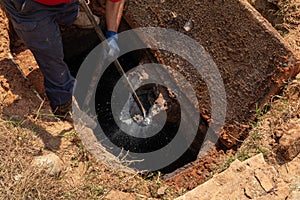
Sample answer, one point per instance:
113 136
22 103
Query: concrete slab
243 180
252 57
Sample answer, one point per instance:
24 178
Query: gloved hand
113 52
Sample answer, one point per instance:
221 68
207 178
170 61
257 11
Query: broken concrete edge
253 178
287 70
268 26
227 135
95 147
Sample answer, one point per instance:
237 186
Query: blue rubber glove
114 50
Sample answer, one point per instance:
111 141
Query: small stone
50 163
289 143
162 190
17 177
188 25
278 133
118 195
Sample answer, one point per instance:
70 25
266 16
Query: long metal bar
116 62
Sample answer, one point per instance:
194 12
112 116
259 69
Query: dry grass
289 10
265 134
282 112
83 177
17 180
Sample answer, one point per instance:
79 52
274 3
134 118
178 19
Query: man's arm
114 9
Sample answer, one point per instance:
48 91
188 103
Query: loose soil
28 129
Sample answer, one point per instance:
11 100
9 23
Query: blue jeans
38 26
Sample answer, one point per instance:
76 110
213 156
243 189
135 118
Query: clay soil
28 129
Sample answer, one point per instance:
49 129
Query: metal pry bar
116 62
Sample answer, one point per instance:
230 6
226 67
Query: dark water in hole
140 145
113 132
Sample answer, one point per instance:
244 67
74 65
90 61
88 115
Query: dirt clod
289 143
118 195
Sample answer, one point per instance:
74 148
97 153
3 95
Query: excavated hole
76 50
77 44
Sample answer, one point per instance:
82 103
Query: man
37 24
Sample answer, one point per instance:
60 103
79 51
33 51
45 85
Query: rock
50 163
265 180
162 190
295 195
17 177
291 173
118 195
289 143
251 179
188 25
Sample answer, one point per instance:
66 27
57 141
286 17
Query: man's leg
43 38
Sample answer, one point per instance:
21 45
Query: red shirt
56 2
52 2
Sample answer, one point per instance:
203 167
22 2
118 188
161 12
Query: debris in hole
172 93
158 106
138 118
137 77
151 98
